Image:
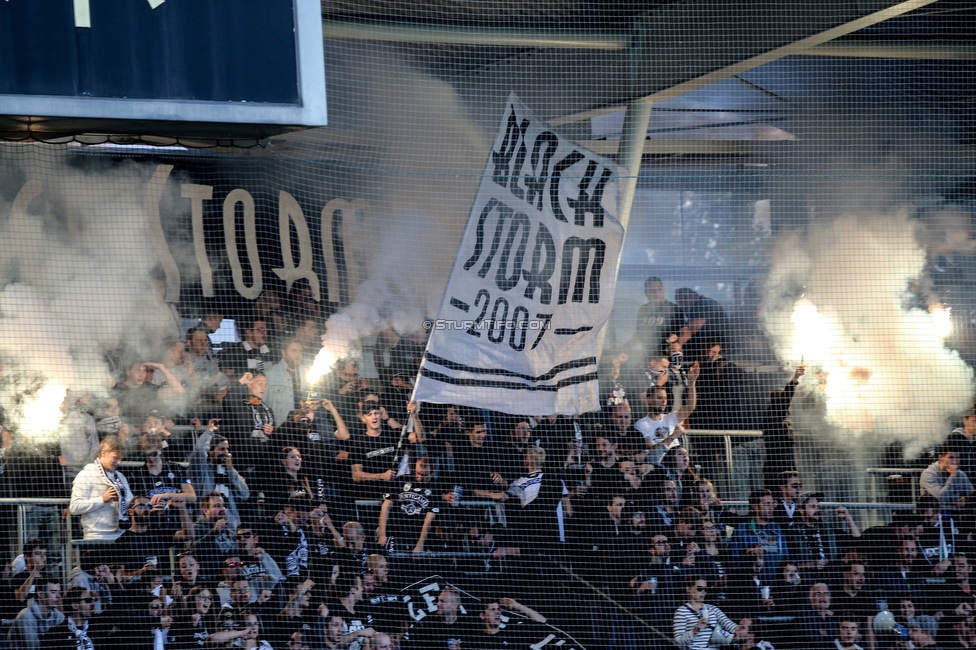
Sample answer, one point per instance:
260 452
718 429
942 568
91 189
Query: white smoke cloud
429 159
886 373
77 255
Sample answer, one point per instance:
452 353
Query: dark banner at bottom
444 616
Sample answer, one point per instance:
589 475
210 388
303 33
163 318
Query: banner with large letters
533 281
419 602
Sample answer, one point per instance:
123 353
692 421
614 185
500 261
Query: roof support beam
895 50
399 33
673 49
651 55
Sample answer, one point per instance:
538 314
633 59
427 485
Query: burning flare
820 341
812 332
43 413
322 364
941 320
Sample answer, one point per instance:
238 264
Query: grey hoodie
30 625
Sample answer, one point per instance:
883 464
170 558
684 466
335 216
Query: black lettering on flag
460 304
542 152
510 144
542 268
504 212
513 180
483 298
589 199
569 331
556 176
575 245
518 222
479 244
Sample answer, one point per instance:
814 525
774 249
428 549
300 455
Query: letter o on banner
250 241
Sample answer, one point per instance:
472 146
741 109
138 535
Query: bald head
380 641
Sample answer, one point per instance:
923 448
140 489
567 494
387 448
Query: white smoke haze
854 223
75 279
32 345
429 159
885 373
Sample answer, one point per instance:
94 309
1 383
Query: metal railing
70 548
64 524
850 505
913 474
497 507
721 433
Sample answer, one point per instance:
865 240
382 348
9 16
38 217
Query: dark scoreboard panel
205 61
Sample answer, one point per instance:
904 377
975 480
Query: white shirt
656 431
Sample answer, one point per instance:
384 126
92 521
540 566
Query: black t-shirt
410 505
863 604
278 486
170 480
354 561
212 546
715 329
376 454
514 633
510 461
938 542
9 605
387 608
604 481
329 478
322 557
473 467
362 619
290 549
880 545
947 597
192 636
285 626
531 511
135 550
60 637
433 634
243 419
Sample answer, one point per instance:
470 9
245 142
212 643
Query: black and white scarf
83 641
121 488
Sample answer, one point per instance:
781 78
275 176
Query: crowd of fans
298 514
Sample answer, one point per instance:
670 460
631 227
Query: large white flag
533 282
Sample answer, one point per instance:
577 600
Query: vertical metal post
728 460
21 527
629 155
67 559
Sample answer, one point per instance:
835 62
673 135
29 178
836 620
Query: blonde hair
110 444
537 454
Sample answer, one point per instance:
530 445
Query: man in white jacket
286 381
100 493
